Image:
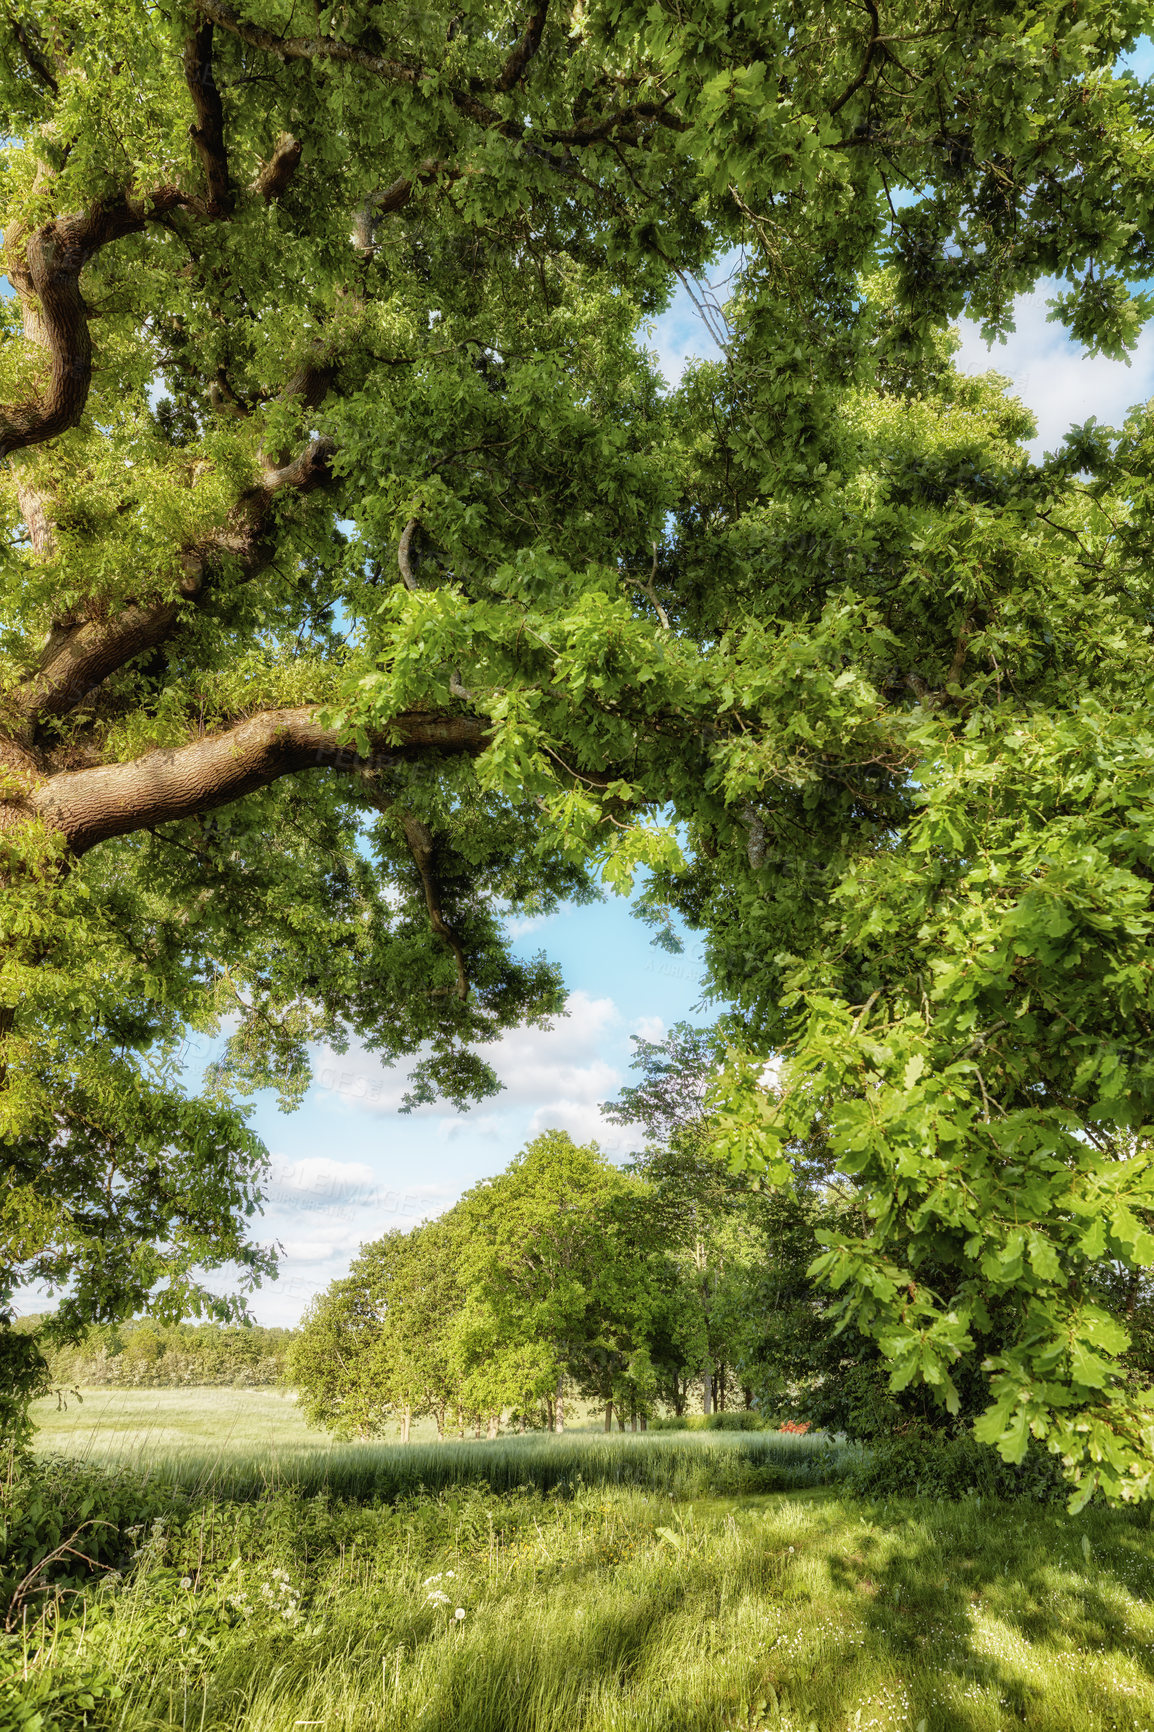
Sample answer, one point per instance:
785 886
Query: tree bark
85 807
559 1405
609 1416
406 1421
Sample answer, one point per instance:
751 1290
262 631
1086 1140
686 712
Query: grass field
654 1583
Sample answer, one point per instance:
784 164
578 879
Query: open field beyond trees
700 1583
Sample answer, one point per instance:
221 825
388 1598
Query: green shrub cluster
954 1467
741 1420
62 1518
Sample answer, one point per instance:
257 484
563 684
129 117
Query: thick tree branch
524 51
316 47
423 849
90 806
276 173
34 51
44 268
401 72
873 45
403 551
208 133
80 656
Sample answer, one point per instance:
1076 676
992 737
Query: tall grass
700 1583
680 1466
607 1608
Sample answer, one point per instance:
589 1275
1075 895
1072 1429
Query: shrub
743 1420
957 1467
97 1513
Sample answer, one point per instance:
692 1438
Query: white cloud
520 925
556 1076
1060 384
535 1065
649 1028
318 1176
583 1121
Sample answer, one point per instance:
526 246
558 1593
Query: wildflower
186 1581
459 1613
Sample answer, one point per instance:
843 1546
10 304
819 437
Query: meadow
671 1583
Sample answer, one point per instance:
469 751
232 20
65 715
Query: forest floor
669 1583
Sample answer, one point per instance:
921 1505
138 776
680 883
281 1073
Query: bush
98 1513
956 1467
742 1420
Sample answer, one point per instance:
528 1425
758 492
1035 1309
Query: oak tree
361 582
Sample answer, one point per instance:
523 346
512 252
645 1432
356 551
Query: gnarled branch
423 849
403 559
80 656
207 134
276 173
526 48
90 806
44 268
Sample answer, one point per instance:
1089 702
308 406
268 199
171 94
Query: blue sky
347 1166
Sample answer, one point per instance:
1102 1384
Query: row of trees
671 1283
558 1276
151 1355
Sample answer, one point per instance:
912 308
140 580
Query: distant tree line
153 1355
641 1289
668 1286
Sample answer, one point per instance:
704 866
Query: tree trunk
609 1416
633 1422
440 1425
706 1392
559 1406
644 1423
494 1423
406 1421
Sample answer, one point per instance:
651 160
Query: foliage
151 1355
922 1465
741 1420
364 585
24 1375
550 1276
98 1512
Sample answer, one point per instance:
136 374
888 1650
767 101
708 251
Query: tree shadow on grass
1002 1613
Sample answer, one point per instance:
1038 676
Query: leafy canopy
362 583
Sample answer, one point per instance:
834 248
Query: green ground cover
658 1583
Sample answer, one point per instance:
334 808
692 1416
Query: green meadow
228 1571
